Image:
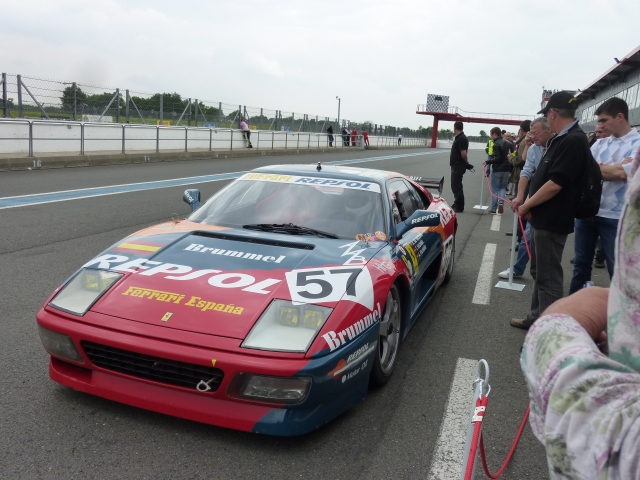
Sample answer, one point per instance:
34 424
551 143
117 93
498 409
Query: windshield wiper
288 228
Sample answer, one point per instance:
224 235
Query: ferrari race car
271 308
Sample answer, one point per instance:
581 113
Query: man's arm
546 192
522 186
613 172
463 154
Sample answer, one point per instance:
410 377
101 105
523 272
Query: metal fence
43 99
52 136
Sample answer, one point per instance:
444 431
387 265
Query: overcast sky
380 57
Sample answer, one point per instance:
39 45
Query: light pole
338 98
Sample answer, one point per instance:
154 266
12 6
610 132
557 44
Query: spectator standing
614 154
585 405
354 133
500 170
516 159
540 134
246 133
330 135
345 137
551 204
458 162
365 137
399 138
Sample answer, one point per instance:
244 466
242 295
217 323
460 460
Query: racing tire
388 339
452 261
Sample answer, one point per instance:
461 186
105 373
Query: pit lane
49 431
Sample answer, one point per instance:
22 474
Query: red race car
271 308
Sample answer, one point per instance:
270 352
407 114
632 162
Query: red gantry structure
438 107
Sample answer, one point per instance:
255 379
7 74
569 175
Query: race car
272 308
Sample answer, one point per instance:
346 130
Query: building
622 80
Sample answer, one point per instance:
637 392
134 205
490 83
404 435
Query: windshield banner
314 181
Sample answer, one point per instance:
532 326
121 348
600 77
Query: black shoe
573 260
509 234
457 209
599 263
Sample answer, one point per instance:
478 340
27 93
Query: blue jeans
499 182
587 232
523 256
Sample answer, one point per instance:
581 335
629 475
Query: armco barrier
34 137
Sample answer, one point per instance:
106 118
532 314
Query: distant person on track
365 137
551 204
354 134
345 137
516 159
399 138
500 170
330 135
246 133
539 134
614 154
459 163
585 404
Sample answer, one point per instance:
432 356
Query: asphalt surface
50 431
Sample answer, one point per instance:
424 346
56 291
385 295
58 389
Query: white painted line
449 453
482 294
495 223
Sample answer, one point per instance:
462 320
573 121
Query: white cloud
382 59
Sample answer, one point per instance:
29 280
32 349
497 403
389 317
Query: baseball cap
563 99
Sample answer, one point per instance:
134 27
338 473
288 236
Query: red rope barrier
513 449
481 405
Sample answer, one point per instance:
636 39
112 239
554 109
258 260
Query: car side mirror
192 198
420 218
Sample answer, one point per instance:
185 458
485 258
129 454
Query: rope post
510 285
481 206
481 389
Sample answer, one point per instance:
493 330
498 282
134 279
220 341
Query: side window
420 204
403 202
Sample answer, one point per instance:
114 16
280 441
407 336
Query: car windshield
343 211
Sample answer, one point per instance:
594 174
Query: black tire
449 273
388 339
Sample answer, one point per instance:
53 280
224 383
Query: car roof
334 171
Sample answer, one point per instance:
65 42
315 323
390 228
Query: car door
411 247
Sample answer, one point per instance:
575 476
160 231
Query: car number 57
331 284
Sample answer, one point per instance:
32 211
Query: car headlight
286 327
287 390
84 290
59 345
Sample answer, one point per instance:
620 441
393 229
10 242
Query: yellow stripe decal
135 246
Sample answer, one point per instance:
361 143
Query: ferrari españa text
154 294
217 307
352 331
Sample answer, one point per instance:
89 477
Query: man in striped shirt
614 155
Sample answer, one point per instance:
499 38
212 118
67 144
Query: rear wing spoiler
430 183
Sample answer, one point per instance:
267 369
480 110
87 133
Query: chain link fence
39 98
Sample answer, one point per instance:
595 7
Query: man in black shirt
458 162
551 205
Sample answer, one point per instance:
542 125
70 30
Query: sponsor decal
446 213
172 271
196 247
149 294
205 305
327 182
384 265
414 258
381 236
360 237
336 340
139 247
354 255
176 298
331 284
424 218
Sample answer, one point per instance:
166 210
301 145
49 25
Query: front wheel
449 272
388 339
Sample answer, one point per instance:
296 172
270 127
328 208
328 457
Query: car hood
220 282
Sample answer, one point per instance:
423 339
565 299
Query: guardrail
129 138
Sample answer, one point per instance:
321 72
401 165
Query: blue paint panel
25 200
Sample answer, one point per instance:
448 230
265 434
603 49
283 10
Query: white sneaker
505 274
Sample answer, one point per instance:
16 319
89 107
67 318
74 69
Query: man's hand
626 161
516 202
525 212
588 307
